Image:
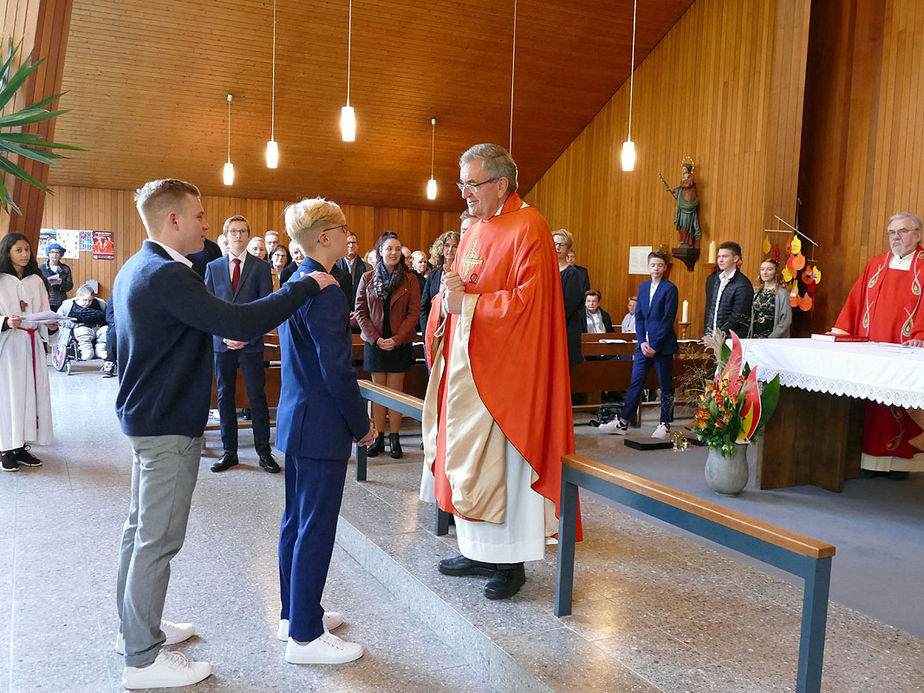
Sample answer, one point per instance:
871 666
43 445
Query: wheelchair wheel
59 358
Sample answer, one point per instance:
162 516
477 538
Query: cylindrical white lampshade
628 155
431 189
229 173
272 154
348 124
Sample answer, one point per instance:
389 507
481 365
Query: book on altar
831 337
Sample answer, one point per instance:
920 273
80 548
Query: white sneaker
662 432
616 427
330 619
175 632
169 670
327 649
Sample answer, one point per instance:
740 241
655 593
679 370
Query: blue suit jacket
320 409
255 283
654 323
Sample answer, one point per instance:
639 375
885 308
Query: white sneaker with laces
615 427
662 432
330 619
175 632
169 670
327 649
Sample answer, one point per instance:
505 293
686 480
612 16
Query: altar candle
712 252
684 315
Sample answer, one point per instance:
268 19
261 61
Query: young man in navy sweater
166 320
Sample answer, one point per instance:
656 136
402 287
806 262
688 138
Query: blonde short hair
309 215
157 198
230 220
566 235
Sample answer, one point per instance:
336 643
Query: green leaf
15 82
10 167
769 399
29 153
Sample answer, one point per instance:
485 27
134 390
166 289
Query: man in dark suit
729 294
657 344
355 267
240 278
320 414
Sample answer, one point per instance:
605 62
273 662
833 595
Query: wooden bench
409 406
797 554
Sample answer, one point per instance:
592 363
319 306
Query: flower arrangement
732 407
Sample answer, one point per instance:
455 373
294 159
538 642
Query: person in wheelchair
86 316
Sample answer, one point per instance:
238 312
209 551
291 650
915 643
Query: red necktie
236 274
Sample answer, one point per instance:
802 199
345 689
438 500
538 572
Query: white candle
712 252
684 315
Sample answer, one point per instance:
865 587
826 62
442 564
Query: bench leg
814 621
442 522
567 526
360 462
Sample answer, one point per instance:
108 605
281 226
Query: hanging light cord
632 67
349 49
229 128
273 106
513 64
432 141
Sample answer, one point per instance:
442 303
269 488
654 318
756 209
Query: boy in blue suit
657 344
240 278
320 414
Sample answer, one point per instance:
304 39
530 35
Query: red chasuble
885 306
517 350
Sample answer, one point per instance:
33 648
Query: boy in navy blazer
657 344
320 414
240 278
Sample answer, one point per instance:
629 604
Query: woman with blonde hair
771 312
387 310
442 253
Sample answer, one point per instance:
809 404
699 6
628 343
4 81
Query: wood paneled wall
863 149
42 27
724 86
114 210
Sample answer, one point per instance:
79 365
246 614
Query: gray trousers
164 472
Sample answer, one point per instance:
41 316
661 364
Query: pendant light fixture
513 64
272 147
229 167
347 115
628 147
431 184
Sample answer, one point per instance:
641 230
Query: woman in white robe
25 399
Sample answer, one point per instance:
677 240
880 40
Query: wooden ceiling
147 81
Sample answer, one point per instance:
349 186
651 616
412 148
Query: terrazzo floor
653 611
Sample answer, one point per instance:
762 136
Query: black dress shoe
506 582
460 565
394 444
9 462
25 458
377 448
268 463
226 461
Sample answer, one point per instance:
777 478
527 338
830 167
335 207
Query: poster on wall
46 238
103 249
70 239
86 241
638 259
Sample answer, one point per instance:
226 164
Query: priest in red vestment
885 306
497 414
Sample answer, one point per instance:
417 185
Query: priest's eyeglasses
474 186
899 232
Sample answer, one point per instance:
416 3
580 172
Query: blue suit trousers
314 490
664 367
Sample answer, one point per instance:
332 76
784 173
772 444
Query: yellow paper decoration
795 245
787 275
766 244
817 275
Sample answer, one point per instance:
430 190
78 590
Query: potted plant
13 141
732 410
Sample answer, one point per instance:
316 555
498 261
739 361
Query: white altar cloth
876 371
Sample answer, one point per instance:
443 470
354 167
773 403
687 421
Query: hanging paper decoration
766 246
777 254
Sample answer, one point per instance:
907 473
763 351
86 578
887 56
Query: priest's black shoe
506 582
226 461
377 448
394 444
267 463
25 458
460 565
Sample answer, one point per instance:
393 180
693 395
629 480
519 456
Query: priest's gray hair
497 162
915 219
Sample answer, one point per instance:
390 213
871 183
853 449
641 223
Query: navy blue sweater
166 320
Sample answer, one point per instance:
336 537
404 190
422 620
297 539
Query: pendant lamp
347 115
272 147
628 147
431 184
229 167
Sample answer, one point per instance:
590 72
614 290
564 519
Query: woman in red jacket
387 310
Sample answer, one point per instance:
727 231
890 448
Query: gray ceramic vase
727 475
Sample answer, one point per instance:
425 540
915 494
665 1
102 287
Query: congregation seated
86 315
596 320
628 320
